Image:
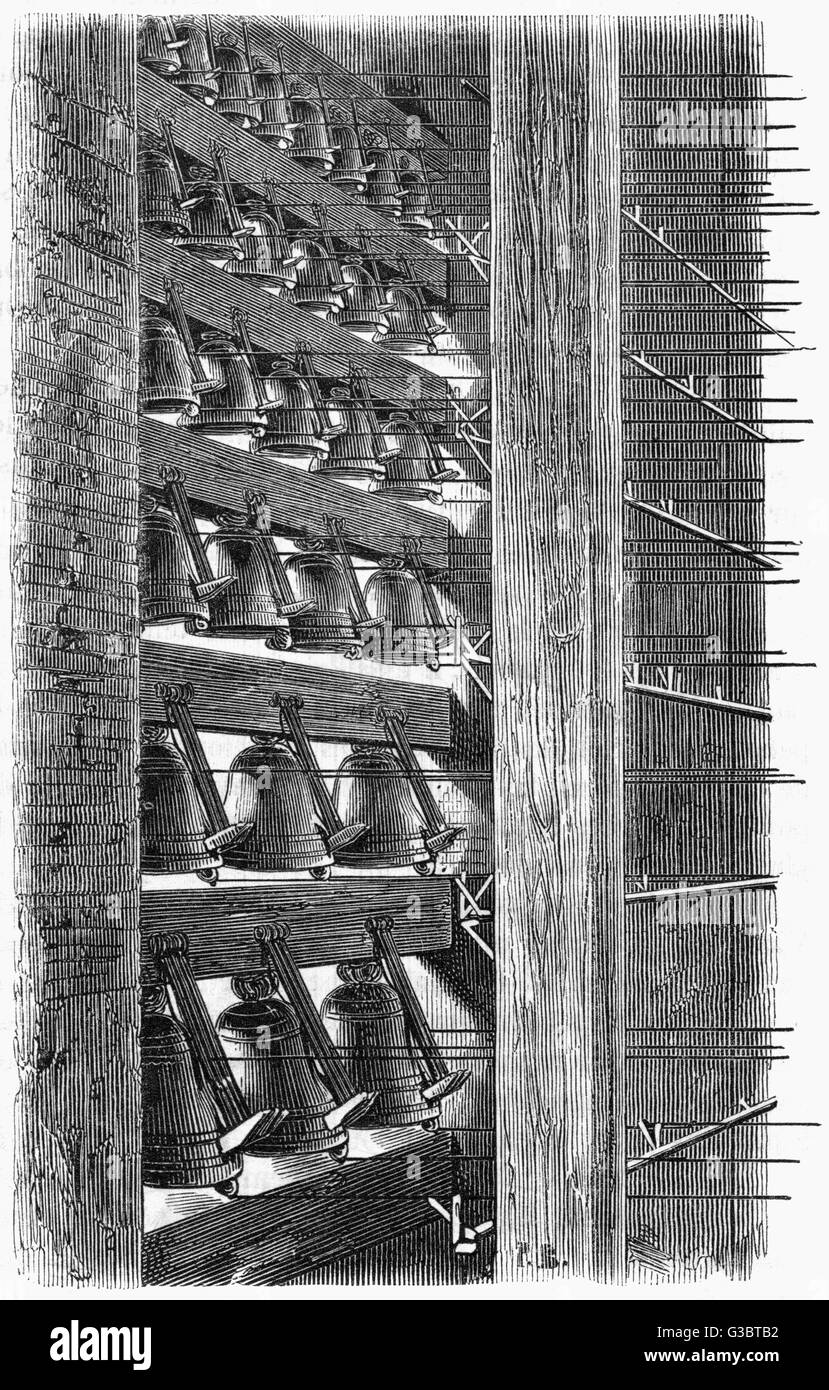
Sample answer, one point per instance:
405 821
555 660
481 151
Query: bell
268 1056
176 834
351 166
319 284
412 327
274 106
408 635
418 470
181 1142
366 305
384 192
162 207
359 453
237 406
168 582
211 231
266 256
158 46
198 76
416 201
253 606
368 1025
237 101
313 145
372 787
296 432
317 576
268 786
166 379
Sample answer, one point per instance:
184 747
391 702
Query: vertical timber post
557 594
75 641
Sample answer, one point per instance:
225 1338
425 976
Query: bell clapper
229 1188
340 1154
321 872
210 876
426 867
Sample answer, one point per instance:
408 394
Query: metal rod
380 930
236 222
412 546
182 326
179 504
749 1112
294 729
394 720
172 957
704 701
737 885
177 709
276 953
166 127
336 530
694 395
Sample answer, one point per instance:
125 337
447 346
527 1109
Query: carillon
239 405
268 786
169 379
182 1145
198 75
366 303
387 789
163 206
416 469
159 46
382 1035
175 581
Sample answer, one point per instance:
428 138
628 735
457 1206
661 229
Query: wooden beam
232 694
251 162
327 920
217 477
280 1235
275 325
557 587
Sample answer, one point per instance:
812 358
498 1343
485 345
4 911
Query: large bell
319 284
408 635
237 405
211 231
237 101
418 469
366 304
313 145
268 784
366 1020
384 191
181 1144
176 833
412 327
250 607
166 379
351 166
372 788
317 576
168 582
266 256
158 46
276 121
198 76
269 1057
162 206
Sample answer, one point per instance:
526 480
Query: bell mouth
410 491
317 164
165 230
333 469
185 862
170 404
215 247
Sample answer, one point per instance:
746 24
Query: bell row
274 1077
328 140
245 234
234 584
216 386
279 814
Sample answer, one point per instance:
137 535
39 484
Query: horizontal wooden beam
327 920
232 694
275 325
217 477
252 162
281 1235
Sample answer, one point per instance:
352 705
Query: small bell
413 328
416 200
409 635
317 576
168 583
158 46
297 432
363 450
261 598
269 1057
351 165
268 786
198 76
166 379
313 145
163 208
319 284
384 191
417 469
212 223
366 304
181 1141
237 100
372 787
177 835
276 121
266 256
238 406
